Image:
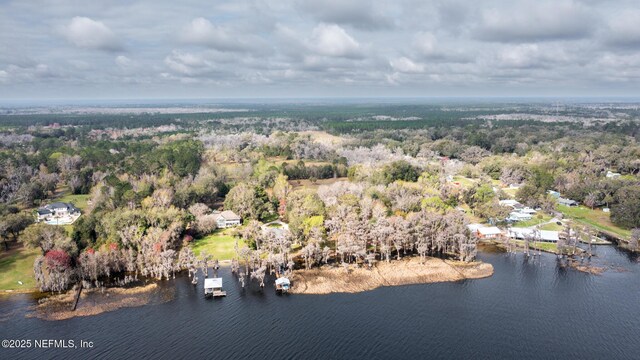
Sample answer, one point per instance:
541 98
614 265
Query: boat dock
213 287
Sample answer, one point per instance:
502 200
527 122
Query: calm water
527 310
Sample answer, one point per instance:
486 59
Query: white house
518 216
58 210
542 235
226 219
511 203
485 232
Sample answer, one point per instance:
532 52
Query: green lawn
80 201
464 182
220 245
16 266
535 221
551 226
596 218
511 192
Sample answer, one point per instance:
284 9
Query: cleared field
596 218
220 244
80 201
298 184
463 181
17 265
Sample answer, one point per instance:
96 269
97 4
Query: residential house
518 216
541 235
485 232
226 219
553 193
57 210
567 202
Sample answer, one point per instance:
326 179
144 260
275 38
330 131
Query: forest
353 183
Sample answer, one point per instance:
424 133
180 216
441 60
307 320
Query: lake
529 309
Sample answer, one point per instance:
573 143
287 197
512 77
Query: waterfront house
485 232
226 219
541 235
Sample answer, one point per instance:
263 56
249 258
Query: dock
283 284
213 287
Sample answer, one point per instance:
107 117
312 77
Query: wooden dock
213 287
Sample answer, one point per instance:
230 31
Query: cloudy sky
305 48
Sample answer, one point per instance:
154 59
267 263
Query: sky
168 49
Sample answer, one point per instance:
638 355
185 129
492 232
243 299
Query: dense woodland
154 179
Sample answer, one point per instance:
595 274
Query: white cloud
360 14
332 40
533 21
624 29
188 64
123 61
406 65
426 43
201 31
88 33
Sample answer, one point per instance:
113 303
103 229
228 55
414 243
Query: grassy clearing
595 218
510 192
80 201
220 244
463 181
307 184
537 219
17 265
551 226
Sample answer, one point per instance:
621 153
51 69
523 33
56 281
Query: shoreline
95 301
408 271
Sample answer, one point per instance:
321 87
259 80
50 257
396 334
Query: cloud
190 64
535 21
87 33
332 40
318 47
624 30
201 31
427 46
123 61
21 74
364 15
406 65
